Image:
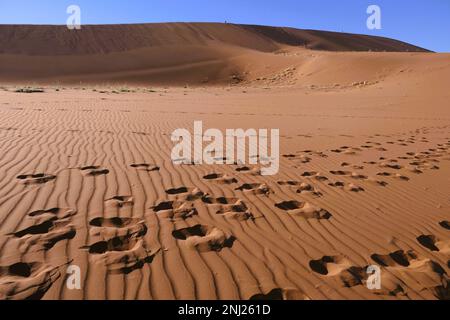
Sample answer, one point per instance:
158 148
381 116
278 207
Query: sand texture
86 177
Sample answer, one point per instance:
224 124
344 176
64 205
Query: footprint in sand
140 133
204 238
38 178
309 174
185 194
413 169
319 154
289 183
353 175
340 173
303 209
94 171
105 230
346 150
395 258
337 184
445 224
26 281
45 229
390 165
358 176
376 182
175 191
122 254
298 158
340 269
117 222
356 167
253 171
407 269
315 175
145 167
255 188
220 178
175 209
232 208
119 202
425 165
118 244
301 187
433 243
393 175
243 169
346 186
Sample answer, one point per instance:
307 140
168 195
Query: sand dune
86 177
174 53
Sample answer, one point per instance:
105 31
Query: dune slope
179 53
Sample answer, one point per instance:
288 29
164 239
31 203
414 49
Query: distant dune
100 39
167 53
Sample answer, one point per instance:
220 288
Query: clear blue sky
422 22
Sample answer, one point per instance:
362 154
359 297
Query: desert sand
87 179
